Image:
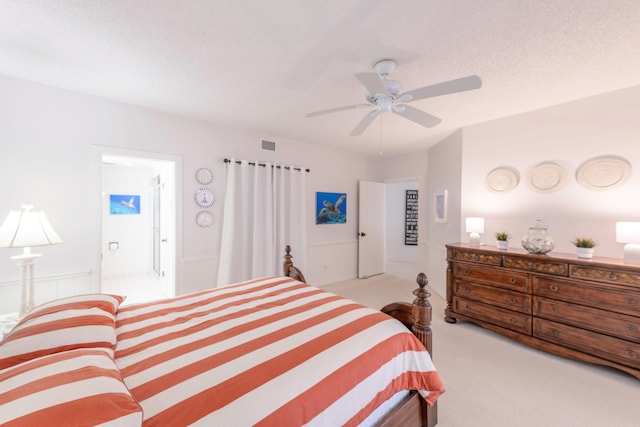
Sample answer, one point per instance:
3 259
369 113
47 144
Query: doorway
382 244
138 245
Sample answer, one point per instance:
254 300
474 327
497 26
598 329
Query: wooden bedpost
286 266
415 316
421 312
289 269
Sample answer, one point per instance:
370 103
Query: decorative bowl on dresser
587 310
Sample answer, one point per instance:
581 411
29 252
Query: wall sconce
23 229
629 233
474 227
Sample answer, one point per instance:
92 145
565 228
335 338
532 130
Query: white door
371 229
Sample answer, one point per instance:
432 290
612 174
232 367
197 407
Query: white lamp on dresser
23 229
474 227
629 233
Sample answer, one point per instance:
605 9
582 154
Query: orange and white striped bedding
268 352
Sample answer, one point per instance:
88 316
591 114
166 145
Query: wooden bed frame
413 410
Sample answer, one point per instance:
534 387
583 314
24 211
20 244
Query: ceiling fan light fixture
385 103
386 95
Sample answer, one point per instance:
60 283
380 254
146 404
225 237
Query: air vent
268 145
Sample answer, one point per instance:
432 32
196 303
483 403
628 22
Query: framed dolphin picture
124 204
331 208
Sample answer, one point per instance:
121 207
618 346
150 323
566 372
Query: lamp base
632 253
27 264
474 239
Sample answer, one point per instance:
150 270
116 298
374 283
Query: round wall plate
546 177
603 173
204 197
502 179
204 219
204 176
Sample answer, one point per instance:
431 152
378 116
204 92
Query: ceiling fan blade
416 116
444 88
333 110
372 83
365 122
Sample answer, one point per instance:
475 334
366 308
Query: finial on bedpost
287 260
421 312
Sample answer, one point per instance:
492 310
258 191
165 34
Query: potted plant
502 240
584 247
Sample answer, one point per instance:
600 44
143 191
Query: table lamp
629 233
474 227
23 229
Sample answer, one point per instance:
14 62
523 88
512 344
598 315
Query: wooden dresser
583 309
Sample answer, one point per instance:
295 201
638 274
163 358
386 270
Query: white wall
568 134
48 158
445 172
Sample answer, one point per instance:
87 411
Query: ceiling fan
385 95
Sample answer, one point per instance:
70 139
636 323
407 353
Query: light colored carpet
492 381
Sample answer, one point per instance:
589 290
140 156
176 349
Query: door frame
177 238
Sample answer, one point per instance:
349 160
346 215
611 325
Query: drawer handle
553 288
475 257
467 289
466 272
555 332
512 300
512 320
513 280
613 276
467 307
555 309
630 301
632 354
533 265
632 328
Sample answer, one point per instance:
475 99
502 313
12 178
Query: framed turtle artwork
331 208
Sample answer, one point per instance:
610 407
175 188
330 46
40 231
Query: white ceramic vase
585 253
502 244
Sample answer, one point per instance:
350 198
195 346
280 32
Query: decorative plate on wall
204 197
204 176
546 177
603 173
204 219
502 179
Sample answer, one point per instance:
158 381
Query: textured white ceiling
263 65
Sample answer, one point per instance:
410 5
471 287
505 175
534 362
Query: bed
273 351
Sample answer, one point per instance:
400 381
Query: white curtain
264 210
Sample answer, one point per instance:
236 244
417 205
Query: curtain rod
264 165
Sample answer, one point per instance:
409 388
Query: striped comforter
268 352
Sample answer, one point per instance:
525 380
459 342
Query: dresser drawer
539 265
505 318
616 350
495 296
493 276
605 275
608 297
619 325
482 258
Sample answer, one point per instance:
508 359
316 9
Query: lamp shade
627 232
26 228
474 225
